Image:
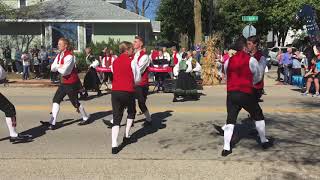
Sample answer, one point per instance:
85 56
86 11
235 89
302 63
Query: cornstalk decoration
210 73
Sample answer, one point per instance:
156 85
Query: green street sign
250 18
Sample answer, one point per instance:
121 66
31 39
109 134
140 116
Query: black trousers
141 93
121 100
238 100
7 107
70 90
258 93
108 77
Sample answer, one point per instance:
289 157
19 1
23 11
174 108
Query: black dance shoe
225 153
268 144
52 127
83 122
115 150
20 138
126 140
219 129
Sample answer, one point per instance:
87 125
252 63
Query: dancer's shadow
98 115
158 122
245 130
41 130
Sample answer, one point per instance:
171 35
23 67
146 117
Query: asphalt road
182 144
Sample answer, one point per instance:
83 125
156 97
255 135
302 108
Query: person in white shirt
166 55
10 112
26 65
107 62
141 90
65 64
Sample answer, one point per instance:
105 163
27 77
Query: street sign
249 30
250 18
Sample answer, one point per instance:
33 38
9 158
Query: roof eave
76 21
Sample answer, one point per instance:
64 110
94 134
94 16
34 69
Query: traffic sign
249 30
250 18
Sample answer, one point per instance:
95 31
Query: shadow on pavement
158 122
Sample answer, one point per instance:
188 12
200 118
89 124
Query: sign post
249 30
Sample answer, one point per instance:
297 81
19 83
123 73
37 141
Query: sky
151 12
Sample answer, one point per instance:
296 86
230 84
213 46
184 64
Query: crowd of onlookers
293 65
35 61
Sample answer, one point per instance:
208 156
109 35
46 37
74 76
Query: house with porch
43 22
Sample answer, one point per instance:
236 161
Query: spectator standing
18 61
44 62
198 50
287 65
7 59
296 64
36 62
26 65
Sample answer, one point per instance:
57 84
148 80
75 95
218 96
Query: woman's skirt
91 80
186 85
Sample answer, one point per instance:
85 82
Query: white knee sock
261 128
223 127
83 113
148 117
55 112
115 133
111 121
128 127
228 131
12 130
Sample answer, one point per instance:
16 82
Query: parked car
273 53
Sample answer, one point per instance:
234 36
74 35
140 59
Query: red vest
175 58
145 76
155 55
258 56
107 60
239 75
123 79
73 77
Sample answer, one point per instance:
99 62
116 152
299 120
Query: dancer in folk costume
10 112
175 56
253 45
91 79
142 89
126 75
242 73
107 62
186 85
70 83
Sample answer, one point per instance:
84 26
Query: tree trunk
197 22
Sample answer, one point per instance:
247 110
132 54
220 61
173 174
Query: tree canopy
274 15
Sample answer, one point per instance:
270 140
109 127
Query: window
66 30
89 33
22 3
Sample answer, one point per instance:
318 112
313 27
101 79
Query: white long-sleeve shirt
166 56
66 68
255 69
143 63
136 72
